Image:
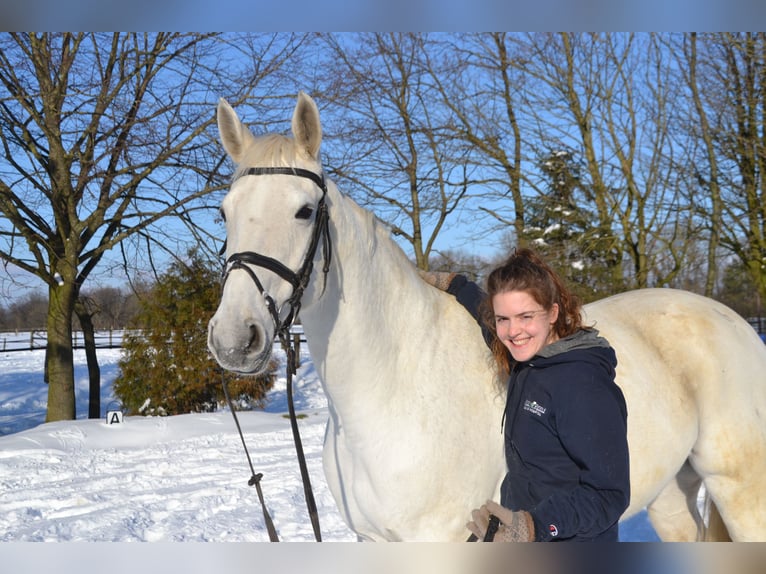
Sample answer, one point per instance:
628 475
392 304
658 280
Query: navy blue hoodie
565 426
566 441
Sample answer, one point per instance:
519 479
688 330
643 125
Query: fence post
297 345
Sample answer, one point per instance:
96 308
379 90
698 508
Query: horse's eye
304 212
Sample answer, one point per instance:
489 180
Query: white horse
413 440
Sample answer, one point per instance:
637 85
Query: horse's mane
377 232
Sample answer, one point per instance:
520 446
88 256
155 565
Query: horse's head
276 219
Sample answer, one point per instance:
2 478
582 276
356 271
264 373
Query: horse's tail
712 527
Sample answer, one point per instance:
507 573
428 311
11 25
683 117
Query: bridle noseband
298 279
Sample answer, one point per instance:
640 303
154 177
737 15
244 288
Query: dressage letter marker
113 417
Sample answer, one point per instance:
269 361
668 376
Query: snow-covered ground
162 479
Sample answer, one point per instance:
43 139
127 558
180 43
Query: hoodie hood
583 339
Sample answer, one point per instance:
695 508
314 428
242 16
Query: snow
162 479
180 478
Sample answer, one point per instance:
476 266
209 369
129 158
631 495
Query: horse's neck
371 302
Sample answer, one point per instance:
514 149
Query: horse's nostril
253 337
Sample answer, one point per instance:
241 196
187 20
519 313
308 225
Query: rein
299 280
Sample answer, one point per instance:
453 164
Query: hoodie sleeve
592 425
470 296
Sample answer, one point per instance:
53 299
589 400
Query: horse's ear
235 137
307 130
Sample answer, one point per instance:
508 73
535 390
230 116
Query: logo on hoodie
534 407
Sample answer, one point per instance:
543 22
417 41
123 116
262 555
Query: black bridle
299 280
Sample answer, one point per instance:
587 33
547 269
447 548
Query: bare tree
726 75
704 187
608 98
105 138
388 144
483 91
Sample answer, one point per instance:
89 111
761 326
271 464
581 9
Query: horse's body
414 439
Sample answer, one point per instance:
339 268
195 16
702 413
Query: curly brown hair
526 271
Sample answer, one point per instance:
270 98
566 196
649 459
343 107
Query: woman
565 420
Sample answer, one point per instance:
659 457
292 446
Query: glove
514 526
439 279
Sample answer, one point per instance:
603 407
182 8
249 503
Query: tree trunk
58 357
94 371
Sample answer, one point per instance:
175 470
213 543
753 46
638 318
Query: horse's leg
674 514
736 512
716 530
731 458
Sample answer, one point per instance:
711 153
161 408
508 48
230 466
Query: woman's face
522 324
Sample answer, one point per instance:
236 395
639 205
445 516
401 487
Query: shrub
167 369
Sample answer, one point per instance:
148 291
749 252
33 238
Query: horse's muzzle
245 350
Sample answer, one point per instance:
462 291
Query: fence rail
106 339
38 339
758 323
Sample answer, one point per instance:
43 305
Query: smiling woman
566 443
523 332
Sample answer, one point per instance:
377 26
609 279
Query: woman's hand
514 526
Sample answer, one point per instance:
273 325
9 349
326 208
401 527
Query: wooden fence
109 339
36 340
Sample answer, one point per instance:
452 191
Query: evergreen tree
166 368
738 291
561 228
